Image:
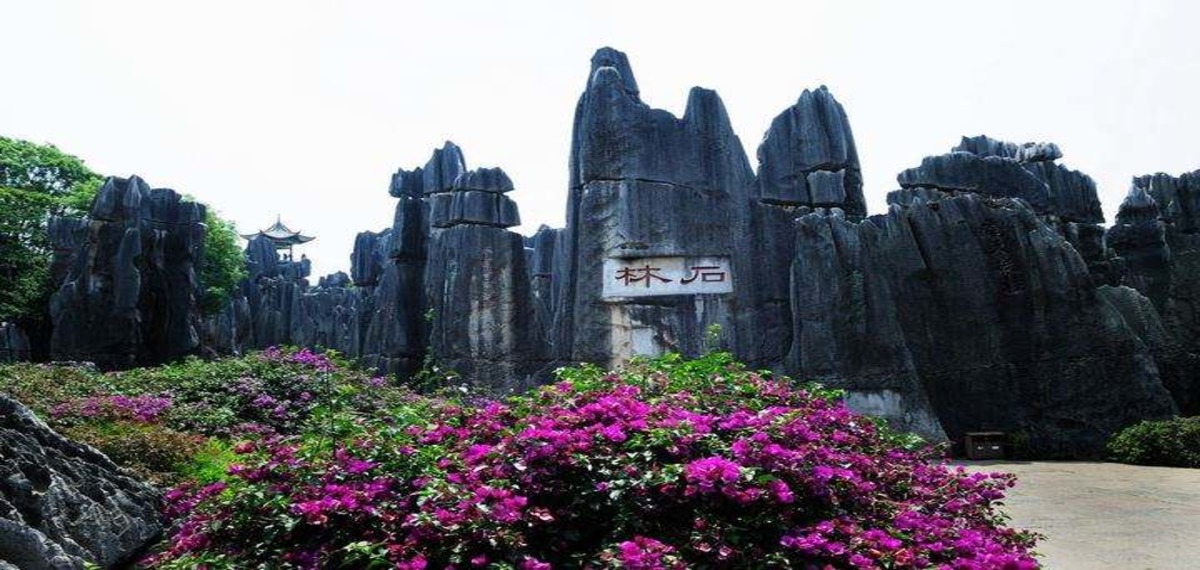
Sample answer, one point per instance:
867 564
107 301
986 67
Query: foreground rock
64 505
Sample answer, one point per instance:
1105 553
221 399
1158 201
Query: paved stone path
1106 515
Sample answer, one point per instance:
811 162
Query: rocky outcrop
1006 170
482 323
1065 198
983 308
1157 239
130 292
64 505
446 280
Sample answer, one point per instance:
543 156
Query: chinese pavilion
282 236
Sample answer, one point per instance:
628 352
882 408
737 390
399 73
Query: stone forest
991 295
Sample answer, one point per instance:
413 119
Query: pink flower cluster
144 409
305 356
646 471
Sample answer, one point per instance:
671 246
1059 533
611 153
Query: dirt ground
1106 515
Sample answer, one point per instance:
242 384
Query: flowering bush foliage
668 464
144 409
169 421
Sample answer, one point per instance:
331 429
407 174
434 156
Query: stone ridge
1007 170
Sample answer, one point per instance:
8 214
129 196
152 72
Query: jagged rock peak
607 57
484 180
446 165
1178 198
1002 169
983 145
808 156
132 198
408 183
705 111
1139 207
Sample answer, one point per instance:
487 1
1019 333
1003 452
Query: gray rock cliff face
645 184
983 308
130 293
1156 238
64 505
1065 198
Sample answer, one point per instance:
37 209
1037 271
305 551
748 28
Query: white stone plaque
654 276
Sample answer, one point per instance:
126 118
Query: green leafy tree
36 183
224 263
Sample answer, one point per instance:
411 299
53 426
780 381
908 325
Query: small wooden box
984 445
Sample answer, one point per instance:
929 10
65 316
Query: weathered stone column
477 284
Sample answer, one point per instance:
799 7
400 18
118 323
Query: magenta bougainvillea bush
668 464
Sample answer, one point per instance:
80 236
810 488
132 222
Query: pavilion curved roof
281 235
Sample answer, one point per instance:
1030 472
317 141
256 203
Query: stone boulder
64 505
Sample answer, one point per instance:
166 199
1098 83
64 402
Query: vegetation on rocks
38 182
668 464
176 422
1167 443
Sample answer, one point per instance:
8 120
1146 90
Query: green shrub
1167 443
152 451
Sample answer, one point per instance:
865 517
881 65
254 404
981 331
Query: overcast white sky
306 108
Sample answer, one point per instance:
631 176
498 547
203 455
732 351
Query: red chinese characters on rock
706 274
629 276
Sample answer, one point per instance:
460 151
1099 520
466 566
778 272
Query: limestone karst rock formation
446 279
993 314
1156 239
129 294
64 505
477 290
988 297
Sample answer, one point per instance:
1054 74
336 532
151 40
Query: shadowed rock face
130 292
1065 198
63 504
982 306
1156 237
